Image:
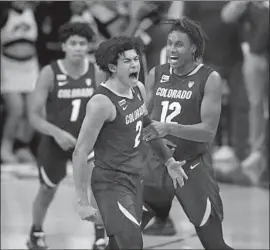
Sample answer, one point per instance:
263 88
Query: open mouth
174 58
133 75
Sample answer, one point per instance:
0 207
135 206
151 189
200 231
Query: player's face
128 68
179 49
76 48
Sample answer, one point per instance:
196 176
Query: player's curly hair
194 31
109 51
75 29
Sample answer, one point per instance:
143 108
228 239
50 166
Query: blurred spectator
49 21
254 20
19 72
81 12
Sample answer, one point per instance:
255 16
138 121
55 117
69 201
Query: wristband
169 161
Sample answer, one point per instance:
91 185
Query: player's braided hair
75 29
109 50
194 31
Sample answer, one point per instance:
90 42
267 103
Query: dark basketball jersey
177 99
117 145
66 104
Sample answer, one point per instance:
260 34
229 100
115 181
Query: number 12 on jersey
176 110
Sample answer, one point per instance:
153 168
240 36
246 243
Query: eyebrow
130 58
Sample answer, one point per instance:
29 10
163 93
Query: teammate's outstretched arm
99 109
36 107
174 167
210 114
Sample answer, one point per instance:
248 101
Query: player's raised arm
99 109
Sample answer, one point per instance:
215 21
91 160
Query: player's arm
37 110
99 75
99 109
204 131
157 143
149 89
37 103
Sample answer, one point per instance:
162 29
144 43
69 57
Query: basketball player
185 99
56 109
113 124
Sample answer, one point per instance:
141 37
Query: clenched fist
87 212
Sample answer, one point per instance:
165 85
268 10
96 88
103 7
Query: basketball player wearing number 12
185 98
63 89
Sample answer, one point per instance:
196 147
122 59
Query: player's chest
67 88
130 113
185 91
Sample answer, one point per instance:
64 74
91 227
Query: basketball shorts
119 199
52 161
199 196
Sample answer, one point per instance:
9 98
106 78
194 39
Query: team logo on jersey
62 83
88 81
122 102
164 78
61 77
190 84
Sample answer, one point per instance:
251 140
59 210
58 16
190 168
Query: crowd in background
237 47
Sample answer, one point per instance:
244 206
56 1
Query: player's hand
87 212
65 140
154 130
170 145
176 172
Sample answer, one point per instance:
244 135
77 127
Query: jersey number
138 136
76 104
174 106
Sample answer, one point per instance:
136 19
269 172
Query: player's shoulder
140 85
161 67
204 69
47 72
101 103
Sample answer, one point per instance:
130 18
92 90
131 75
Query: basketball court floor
246 223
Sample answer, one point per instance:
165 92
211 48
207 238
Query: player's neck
119 88
185 69
74 69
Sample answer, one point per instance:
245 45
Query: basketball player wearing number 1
62 91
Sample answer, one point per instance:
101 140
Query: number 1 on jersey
76 104
137 138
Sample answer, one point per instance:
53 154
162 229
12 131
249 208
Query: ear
112 68
193 48
63 46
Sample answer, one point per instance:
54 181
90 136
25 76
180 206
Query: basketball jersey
66 103
117 145
177 99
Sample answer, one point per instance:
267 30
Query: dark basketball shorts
199 196
119 199
52 161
